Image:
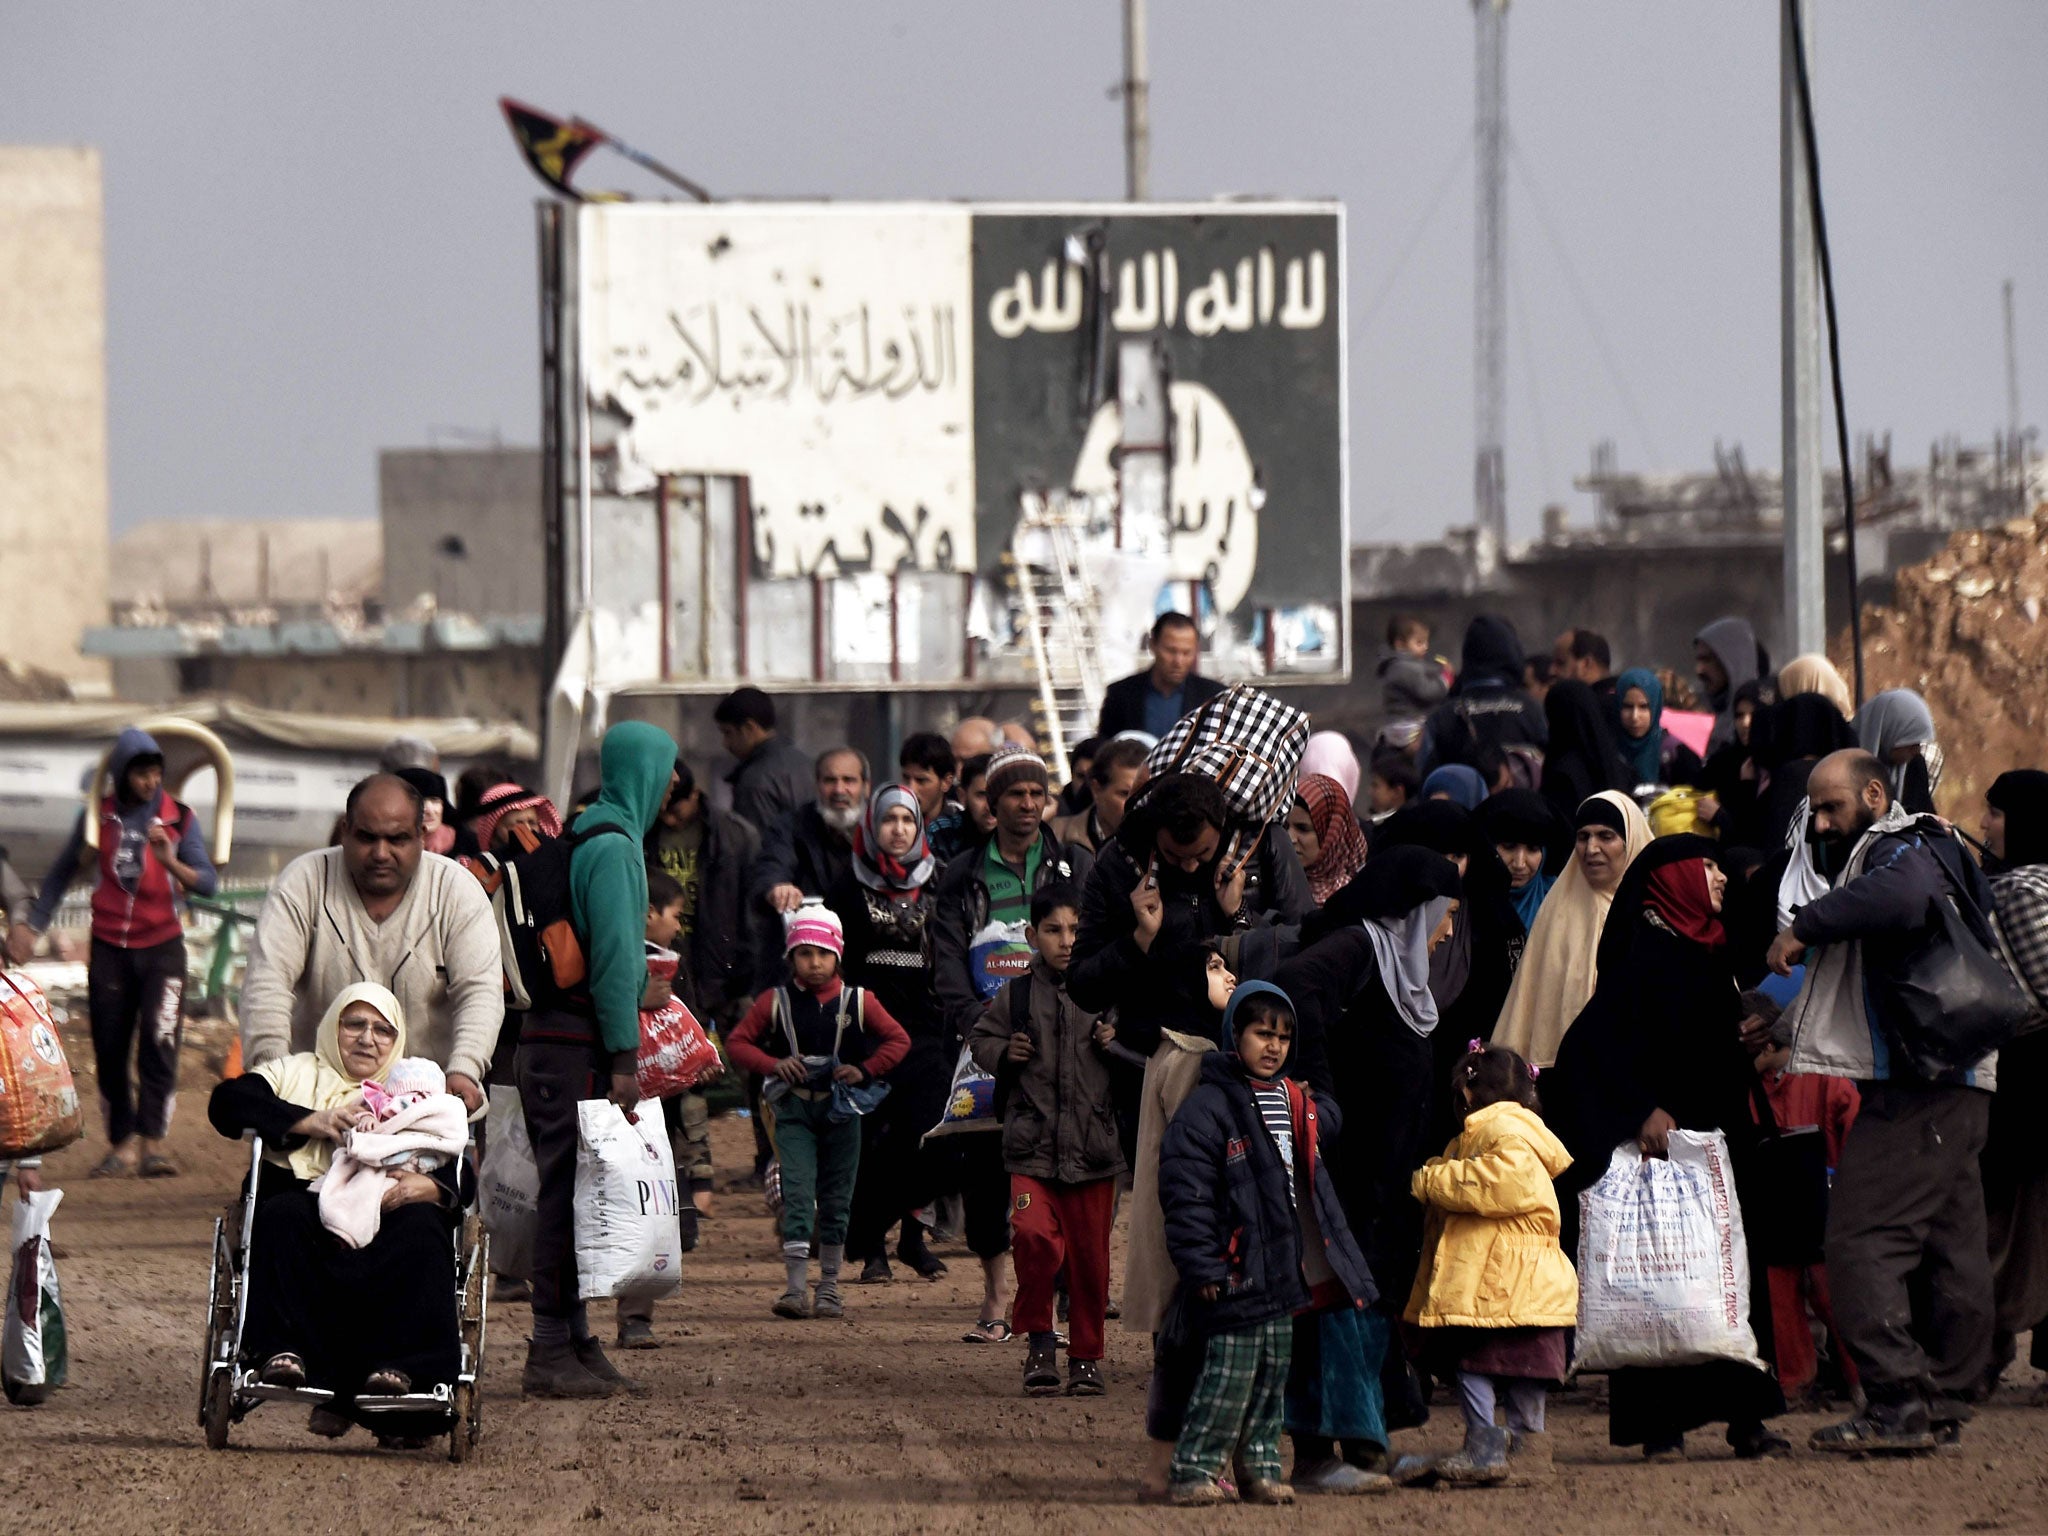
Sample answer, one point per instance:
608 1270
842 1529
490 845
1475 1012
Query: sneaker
1902 1430
637 1333
1339 1477
1042 1373
553 1370
591 1356
1482 1460
1084 1378
792 1304
1207 1491
1264 1490
828 1302
875 1272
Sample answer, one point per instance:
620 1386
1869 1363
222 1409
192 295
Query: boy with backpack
821 1045
1051 1064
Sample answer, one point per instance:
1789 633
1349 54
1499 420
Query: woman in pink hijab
1329 753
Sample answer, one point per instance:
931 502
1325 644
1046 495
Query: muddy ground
885 1422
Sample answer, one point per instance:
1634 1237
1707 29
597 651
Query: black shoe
875 1272
1084 1378
1042 1373
591 1356
1756 1442
554 1370
686 1221
912 1251
1880 1430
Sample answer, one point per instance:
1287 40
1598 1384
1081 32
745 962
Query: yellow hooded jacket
1490 1254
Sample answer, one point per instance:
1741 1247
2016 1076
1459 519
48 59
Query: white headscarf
1401 946
1802 881
318 1079
1561 964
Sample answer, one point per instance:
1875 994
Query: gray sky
319 236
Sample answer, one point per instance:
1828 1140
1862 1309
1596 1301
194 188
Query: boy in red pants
1051 1065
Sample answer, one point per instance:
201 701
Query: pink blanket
352 1189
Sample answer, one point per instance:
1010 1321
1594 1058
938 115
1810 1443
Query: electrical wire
1520 311
1585 304
1408 248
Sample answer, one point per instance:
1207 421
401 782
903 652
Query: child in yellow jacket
1494 1284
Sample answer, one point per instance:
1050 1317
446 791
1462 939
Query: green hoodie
608 877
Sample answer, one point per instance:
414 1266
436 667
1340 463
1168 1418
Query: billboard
886 383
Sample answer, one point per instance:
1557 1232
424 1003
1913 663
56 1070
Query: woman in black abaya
1659 1049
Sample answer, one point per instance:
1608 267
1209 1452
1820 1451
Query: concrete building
53 409
462 528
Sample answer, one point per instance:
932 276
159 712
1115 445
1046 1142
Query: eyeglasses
376 1029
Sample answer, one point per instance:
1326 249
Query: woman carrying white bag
1659 1051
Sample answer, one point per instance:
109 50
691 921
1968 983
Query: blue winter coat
1229 1222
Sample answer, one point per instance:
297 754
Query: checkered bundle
1248 742
2021 922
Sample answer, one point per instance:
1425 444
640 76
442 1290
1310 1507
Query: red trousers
1055 1224
1793 1291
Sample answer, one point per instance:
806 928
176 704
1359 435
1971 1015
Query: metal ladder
1057 604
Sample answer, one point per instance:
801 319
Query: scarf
1560 965
1461 785
1802 881
500 801
1644 754
2022 795
1340 850
316 1079
1401 946
1815 674
1329 754
1678 894
880 870
1896 718
1528 901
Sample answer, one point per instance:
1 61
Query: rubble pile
1966 630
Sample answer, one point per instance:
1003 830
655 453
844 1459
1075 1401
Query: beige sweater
438 951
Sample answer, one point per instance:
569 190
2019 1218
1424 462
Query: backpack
545 968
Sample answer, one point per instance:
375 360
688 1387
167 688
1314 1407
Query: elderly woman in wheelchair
375 1321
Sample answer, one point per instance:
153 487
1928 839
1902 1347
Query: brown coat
1077 830
1149 1275
1058 1122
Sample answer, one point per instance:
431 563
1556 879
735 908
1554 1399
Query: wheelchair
229 1390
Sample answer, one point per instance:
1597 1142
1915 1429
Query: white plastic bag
33 1357
509 1186
1663 1266
628 1238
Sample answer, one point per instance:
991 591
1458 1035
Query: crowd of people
1344 1073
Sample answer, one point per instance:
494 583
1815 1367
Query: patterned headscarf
881 871
1341 845
500 801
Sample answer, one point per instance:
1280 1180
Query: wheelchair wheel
220 1318
218 1414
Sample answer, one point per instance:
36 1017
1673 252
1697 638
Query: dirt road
885 1422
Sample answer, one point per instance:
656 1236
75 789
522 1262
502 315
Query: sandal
284 1370
112 1166
157 1166
988 1330
387 1383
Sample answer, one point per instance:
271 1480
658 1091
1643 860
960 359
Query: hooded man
1726 655
151 853
1489 707
584 1043
1906 1209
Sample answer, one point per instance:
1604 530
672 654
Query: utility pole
1489 316
2012 375
1137 106
1806 623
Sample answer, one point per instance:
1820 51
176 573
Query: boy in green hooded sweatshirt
583 1043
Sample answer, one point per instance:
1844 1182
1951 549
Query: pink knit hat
814 923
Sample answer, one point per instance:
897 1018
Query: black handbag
1947 1002
1783 1185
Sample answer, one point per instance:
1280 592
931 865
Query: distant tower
1489 315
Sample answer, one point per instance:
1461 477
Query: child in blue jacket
1256 1234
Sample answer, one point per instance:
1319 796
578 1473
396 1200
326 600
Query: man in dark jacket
711 855
1152 700
1489 706
1169 881
805 853
1906 1210
774 774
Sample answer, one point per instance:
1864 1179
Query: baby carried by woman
409 1123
